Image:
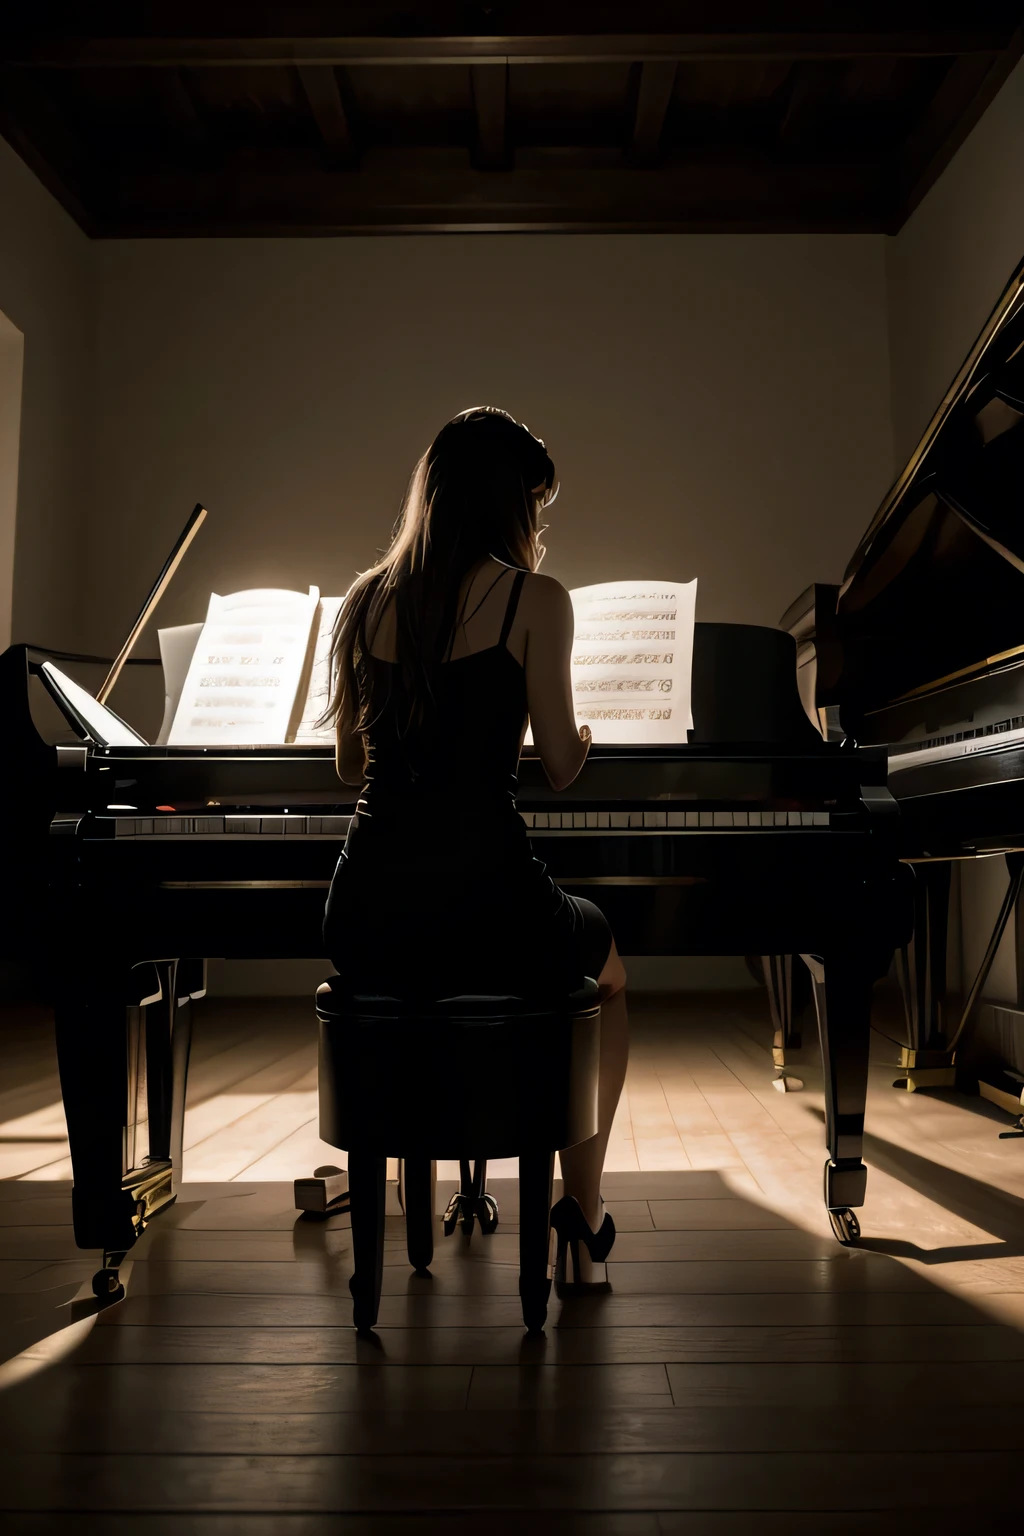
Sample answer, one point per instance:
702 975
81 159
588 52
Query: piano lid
934 594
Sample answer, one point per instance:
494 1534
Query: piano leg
778 979
921 967
120 1150
842 996
168 1045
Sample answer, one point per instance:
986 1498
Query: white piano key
707 818
677 818
782 818
124 826
144 826
693 819
527 818
296 826
579 819
272 826
739 818
603 819
619 818
591 819
753 818
722 818
821 818
334 826
313 825
794 818
636 820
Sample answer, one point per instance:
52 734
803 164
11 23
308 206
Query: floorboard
743 1373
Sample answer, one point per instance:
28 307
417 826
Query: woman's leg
583 1164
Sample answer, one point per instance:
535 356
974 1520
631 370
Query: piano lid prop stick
163 581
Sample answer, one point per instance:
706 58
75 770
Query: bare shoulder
544 598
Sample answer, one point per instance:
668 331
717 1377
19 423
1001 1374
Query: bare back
540 640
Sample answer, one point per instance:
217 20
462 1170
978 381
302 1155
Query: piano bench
422 1079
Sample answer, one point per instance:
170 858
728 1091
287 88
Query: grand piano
133 862
921 649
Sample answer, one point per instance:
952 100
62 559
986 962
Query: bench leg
536 1175
366 1181
419 1212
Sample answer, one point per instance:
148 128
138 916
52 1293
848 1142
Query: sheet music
177 647
319 693
245 671
631 660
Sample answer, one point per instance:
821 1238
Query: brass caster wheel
845 1226
106 1285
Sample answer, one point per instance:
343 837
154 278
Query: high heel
571 1230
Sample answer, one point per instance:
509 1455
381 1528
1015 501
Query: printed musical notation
246 669
633 640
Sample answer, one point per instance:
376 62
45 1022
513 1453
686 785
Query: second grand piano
921 649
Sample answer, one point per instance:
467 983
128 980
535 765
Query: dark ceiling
260 119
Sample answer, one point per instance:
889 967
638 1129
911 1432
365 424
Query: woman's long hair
477 491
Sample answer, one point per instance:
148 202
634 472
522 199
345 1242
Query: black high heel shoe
571 1230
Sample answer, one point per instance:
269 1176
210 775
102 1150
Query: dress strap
462 618
513 604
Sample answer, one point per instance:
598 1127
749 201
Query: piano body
921 649
135 862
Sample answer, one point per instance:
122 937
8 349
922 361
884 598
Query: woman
442 651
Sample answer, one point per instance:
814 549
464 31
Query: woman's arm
561 747
350 754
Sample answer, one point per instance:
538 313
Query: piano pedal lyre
471 1203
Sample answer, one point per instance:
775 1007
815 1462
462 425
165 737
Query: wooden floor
745 1373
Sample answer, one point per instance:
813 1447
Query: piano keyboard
335 827
965 743
668 821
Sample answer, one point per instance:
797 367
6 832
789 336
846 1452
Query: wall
945 271
46 292
716 406
12 357
949 263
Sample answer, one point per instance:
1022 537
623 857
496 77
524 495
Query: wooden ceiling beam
180 106
320 84
657 82
741 193
490 101
814 84
421 32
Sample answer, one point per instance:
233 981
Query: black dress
437 891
